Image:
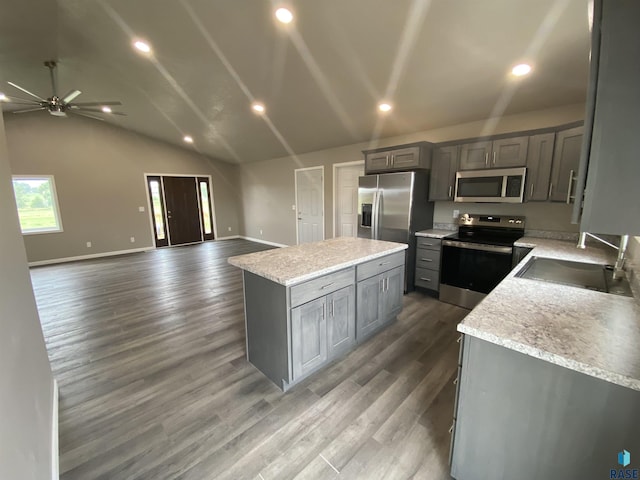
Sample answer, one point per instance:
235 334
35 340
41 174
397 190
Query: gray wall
99 175
268 188
26 383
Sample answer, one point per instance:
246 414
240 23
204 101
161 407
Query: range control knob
518 221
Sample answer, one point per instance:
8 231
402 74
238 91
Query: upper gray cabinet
539 159
566 158
400 158
443 173
500 153
611 158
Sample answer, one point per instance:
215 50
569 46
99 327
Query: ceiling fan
59 106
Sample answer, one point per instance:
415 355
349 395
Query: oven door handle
478 246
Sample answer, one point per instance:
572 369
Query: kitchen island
549 379
310 304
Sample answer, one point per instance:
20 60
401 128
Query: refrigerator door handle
374 215
378 202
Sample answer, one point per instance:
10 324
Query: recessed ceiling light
188 139
142 46
3 97
106 109
384 107
258 107
284 15
520 70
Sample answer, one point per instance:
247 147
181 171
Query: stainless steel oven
478 257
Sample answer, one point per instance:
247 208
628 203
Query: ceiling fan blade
26 91
97 110
25 110
71 95
20 101
75 112
93 104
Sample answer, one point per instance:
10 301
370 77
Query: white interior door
346 199
309 204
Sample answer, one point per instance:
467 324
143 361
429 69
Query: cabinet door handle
494 158
391 160
384 263
332 311
426 259
455 382
550 189
425 279
459 339
450 188
531 194
486 159
570 185
426 244
451 428
382 285
324 307
326 286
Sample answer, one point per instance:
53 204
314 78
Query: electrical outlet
456 213
88 244
229 228
141 209
293 207
132 239
260 231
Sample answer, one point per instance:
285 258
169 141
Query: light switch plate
141 209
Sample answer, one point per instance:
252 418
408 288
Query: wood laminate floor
148 350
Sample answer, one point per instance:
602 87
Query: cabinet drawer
429 243
427 279
429 259
379 265
321 286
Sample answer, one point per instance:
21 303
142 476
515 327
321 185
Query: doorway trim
192 175
336 166
295 194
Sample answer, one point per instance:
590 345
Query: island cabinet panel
308 337
369 311
341 321
525 418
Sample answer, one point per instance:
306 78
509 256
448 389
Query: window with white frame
37 203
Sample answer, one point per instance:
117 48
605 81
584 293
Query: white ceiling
439 62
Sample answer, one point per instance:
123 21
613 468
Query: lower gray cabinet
428 263
379 301
341 321
308 337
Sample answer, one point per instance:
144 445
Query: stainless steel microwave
504 185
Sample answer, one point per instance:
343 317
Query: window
37 204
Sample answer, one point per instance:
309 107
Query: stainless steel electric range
478 257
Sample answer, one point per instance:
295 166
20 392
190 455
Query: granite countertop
291 265
434 233
587 331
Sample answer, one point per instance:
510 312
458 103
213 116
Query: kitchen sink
591 276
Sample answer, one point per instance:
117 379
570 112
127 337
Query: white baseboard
55 463
230 237
259 240
87 257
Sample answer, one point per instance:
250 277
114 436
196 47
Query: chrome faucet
618 268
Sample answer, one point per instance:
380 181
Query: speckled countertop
291 265
587 331
434 233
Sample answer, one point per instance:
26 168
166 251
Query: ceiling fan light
142 46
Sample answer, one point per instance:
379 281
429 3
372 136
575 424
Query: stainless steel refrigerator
393 207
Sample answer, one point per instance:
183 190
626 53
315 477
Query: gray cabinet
379 293
308 337
539 161
401 158
341 321
443 173
566 158
610 162
294 331
428 263
522 417
499 153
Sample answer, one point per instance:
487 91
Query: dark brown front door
183 213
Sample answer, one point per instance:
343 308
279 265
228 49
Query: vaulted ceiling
438 62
